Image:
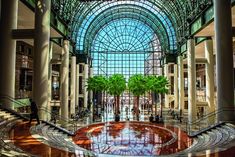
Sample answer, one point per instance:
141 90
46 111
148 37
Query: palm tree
152 86
163 84
97 84
137 86
116 86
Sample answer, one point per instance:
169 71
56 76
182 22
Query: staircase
54 138
8 149
214 140
168 118
50 134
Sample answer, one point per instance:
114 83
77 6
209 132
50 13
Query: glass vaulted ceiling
127 36
127 46
86 27
74 11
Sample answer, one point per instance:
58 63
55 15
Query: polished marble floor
120 139
21 137
132 139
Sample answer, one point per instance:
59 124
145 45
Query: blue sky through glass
122 46
85 21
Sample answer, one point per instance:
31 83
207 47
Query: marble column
64 80
86 69
176 93
181 82
210 83
192 111
77 86
41 55
0 10
166 73
224 60
50 82
73 86
91 93
8 22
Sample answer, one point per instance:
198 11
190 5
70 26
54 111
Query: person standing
157 118
151 118
34 112
126 109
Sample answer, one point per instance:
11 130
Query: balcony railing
201 95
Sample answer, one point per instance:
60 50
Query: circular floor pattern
132 139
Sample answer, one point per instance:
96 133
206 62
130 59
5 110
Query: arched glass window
126 46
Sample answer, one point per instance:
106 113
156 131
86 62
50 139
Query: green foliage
137 84
97 84
157 84
163 85
116 84
150 82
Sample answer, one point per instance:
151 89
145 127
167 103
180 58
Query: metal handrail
60 118
197 123
8 147
213 113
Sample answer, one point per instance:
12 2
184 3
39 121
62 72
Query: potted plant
137 86
97 84
116 86
163 84
150 88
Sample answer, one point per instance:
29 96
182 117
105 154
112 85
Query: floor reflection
123 138
22 138
131 138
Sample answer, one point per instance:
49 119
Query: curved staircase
217 139
57 139
8 149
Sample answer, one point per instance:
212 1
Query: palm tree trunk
153 104
118 107
161 104
149 103
103 95
137 107
156 109
115 104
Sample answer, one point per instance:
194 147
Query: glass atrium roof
86 27
167 18
124 35
127 36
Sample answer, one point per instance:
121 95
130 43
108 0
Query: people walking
34 112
